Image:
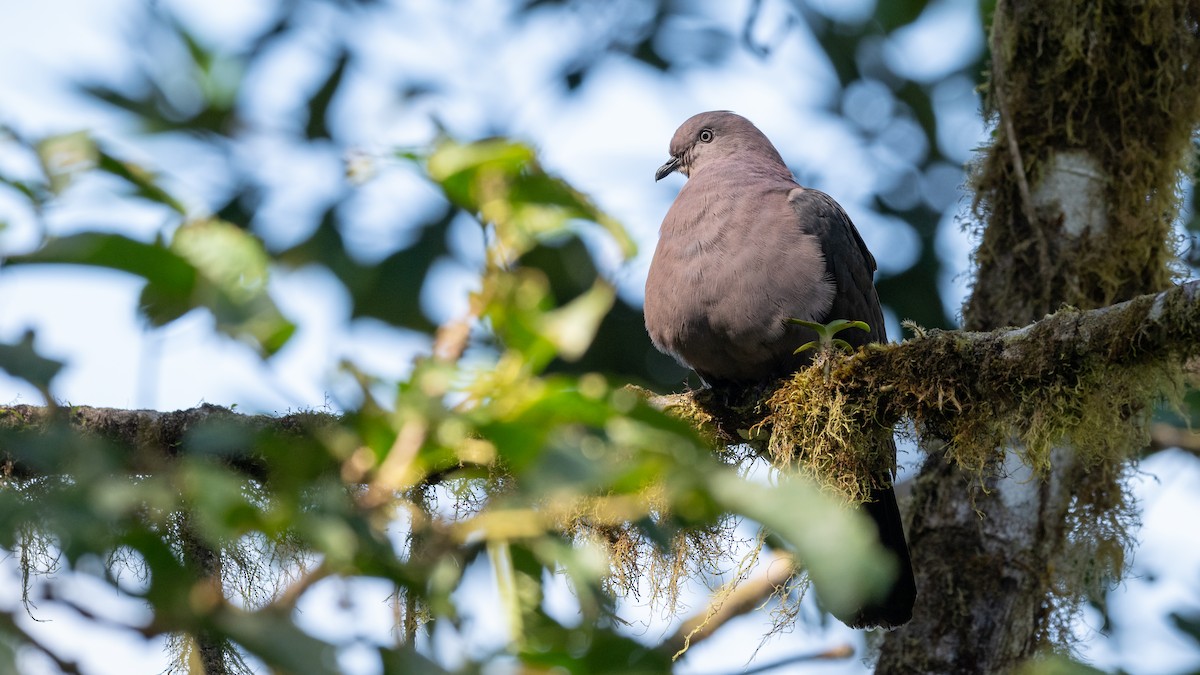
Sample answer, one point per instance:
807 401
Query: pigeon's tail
896 608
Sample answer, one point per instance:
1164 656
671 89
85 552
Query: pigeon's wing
851 267
848 263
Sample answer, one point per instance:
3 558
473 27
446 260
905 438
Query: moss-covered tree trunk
1094 105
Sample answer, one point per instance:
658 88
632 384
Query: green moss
1116 82
1084 409
826 434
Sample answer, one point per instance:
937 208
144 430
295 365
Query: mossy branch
1087 377
1070 374
953 384
143 441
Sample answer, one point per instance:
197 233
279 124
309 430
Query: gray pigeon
743 248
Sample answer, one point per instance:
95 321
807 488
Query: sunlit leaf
1056 665
209 264
65 156
502 182
455 165
572 327
145 183
233 267
227 256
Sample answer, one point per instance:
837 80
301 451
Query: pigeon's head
712 137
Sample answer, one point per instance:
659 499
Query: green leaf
593 651
65 156
145 183
389 290
227 256
233 267
153 109
502 181
34 192
572 327
404 660
210 264
837 545
896 13
8 642
455 165
839 325
171 279
826 332
812 344
1056 665
22 360
216 79
275 639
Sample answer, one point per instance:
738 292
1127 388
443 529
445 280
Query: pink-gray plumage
743 248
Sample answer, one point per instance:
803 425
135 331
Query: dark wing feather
848 263
851 267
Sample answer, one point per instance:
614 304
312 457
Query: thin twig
291 595
843 651
10 626
1165 436
745 598
450 341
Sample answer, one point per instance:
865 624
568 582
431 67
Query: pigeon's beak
667 169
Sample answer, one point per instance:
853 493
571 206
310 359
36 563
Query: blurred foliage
523 455
186 88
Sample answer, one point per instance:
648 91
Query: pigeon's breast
732 263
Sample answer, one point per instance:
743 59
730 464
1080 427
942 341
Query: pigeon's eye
706 135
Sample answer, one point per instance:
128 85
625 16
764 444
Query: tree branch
932 377
743 599
936 375
1165 436
936 378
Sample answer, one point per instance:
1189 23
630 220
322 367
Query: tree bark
1095 104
